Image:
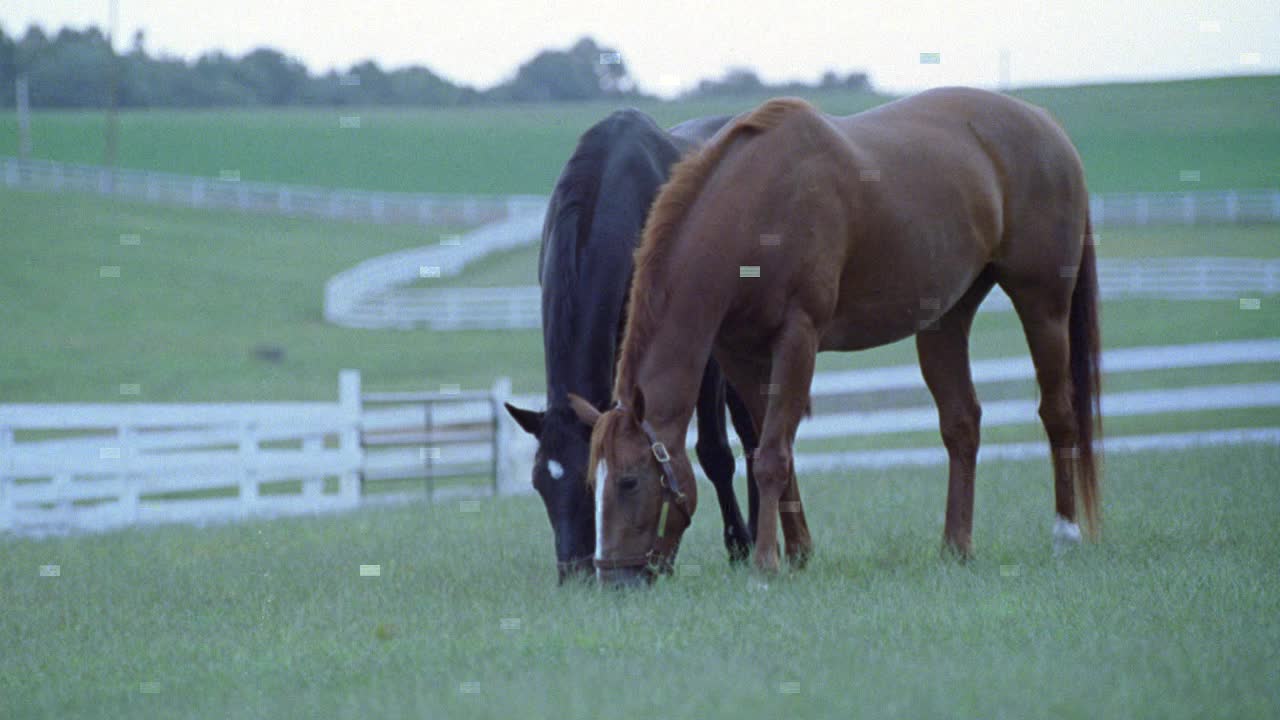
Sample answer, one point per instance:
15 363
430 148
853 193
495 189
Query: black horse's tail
1086 377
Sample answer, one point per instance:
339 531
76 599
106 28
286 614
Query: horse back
593 220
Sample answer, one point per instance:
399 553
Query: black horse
593 223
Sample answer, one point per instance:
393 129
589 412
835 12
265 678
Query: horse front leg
716 457
787 394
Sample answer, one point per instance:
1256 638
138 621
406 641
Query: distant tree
736 81
417 85
743 81
585 72
272 78
8 69
70 69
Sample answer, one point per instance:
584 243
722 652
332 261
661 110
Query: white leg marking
1066 535
556 469
602 471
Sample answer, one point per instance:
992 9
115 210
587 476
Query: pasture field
1176 614
203 289
1132 137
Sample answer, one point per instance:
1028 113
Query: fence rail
366 295
231 193
1193 207
99 466
149 463
510 308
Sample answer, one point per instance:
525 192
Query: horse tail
1086 377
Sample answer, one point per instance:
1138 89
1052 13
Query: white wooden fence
509 308
229 192
1193 207
368 295
97 466
89 467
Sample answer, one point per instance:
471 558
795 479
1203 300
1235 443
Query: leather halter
660 554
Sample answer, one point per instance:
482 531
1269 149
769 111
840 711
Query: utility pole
1004 79
21 86
113 123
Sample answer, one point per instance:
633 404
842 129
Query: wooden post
130 500
21 86
248 469
7 518
503 462
349 438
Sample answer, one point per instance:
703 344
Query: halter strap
664 547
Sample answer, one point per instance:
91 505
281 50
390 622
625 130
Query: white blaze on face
556 469
1065 535
602 470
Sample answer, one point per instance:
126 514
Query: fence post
503 462
130 499
248 450
349 438
7 518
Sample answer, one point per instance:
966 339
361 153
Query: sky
669 46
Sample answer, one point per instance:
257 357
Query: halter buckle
660 452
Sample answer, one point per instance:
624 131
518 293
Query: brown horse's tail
1086 377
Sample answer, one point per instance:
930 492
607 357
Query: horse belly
859 326
883 306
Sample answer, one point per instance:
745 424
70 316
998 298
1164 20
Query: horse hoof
1066 535
955 551
767 562
799 558
739 548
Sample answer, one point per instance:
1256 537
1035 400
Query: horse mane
609 165
668 211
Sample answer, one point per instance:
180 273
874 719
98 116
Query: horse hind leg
1043 308
943 349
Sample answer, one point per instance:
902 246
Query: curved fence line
513 308
369 294
228 192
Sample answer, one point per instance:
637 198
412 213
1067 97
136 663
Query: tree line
77 69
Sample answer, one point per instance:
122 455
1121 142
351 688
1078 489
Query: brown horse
793 232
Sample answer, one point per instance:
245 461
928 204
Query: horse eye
628 483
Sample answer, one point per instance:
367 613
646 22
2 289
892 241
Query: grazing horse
793 232
593 224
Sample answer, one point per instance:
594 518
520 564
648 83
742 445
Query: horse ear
637 405
529 420
585 411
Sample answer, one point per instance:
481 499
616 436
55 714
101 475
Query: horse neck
669 370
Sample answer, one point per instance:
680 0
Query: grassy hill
203 289
1132 137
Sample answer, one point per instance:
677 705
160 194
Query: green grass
1174 615
204 288
1132 137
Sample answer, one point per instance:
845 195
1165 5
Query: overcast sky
670 45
